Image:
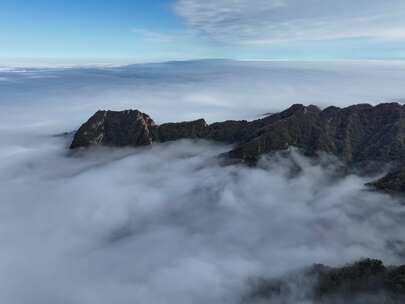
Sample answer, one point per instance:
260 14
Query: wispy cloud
155 36
250 22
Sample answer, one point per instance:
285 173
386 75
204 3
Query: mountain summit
357 135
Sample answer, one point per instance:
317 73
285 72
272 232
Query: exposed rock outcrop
134 128
357 134
393 182
111 128
174 131
367 281
354 134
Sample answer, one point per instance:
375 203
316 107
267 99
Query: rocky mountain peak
356 134
115 128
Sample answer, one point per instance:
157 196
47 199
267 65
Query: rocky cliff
393 182
367 281
110 128
357 134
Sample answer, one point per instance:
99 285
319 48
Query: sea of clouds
168 223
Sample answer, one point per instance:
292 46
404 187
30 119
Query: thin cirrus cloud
262 22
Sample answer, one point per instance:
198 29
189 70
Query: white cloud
166 224
269 22
215 90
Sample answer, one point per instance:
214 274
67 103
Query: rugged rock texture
354 134
366 277
393 182
134 128
174 131
111 128
358 134
367 281
230 131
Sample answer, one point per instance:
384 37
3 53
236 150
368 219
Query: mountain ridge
357 134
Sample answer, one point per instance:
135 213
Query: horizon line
42 62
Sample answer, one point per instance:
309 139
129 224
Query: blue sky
81 29
146 30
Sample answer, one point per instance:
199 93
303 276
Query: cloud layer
268 22
167 223
36 98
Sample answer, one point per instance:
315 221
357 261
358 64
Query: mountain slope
359 134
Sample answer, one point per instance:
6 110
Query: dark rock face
367 281
359 134
174 131
367 277
134 128
354 134
111 128
393 182
230 131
